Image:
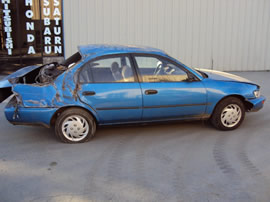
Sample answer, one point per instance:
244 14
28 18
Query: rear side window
107 70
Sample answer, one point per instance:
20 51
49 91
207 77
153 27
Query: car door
168 92
110 87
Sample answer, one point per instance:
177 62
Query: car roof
106 49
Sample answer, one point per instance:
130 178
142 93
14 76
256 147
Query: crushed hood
5 85
223 76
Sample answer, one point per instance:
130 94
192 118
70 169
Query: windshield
195 70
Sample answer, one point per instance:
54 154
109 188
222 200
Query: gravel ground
163 162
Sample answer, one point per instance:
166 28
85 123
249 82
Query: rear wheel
229 114
75 126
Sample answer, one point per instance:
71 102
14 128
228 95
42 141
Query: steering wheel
158 69
169 69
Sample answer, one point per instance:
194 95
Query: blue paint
102 49
38 116
115 103
126 98
174 99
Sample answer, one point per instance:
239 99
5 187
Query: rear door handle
88 93
150 92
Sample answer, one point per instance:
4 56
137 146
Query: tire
75 126
228 114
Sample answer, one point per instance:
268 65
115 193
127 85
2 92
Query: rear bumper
29 116
257 103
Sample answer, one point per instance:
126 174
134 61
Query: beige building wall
228 35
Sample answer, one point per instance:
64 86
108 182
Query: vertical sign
30 26
7 26
51 19
30 31
52 27
40 27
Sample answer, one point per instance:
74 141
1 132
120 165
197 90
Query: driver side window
154 69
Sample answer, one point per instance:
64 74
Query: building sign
56 16
7 26
30 29
51 19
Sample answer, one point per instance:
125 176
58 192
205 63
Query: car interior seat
127 73
116 71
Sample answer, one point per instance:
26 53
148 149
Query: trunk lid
6 83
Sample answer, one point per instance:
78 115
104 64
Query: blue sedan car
105 85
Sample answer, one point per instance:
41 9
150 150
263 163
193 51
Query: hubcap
231 115
75 128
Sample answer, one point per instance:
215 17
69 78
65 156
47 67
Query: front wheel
228 114
75 126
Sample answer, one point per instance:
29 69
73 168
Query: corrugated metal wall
229 35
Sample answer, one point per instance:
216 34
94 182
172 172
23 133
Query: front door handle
150 92
88 93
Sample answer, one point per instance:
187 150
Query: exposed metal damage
47 86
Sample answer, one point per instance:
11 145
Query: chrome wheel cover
75 128
231 115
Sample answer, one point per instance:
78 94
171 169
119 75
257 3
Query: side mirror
191 78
